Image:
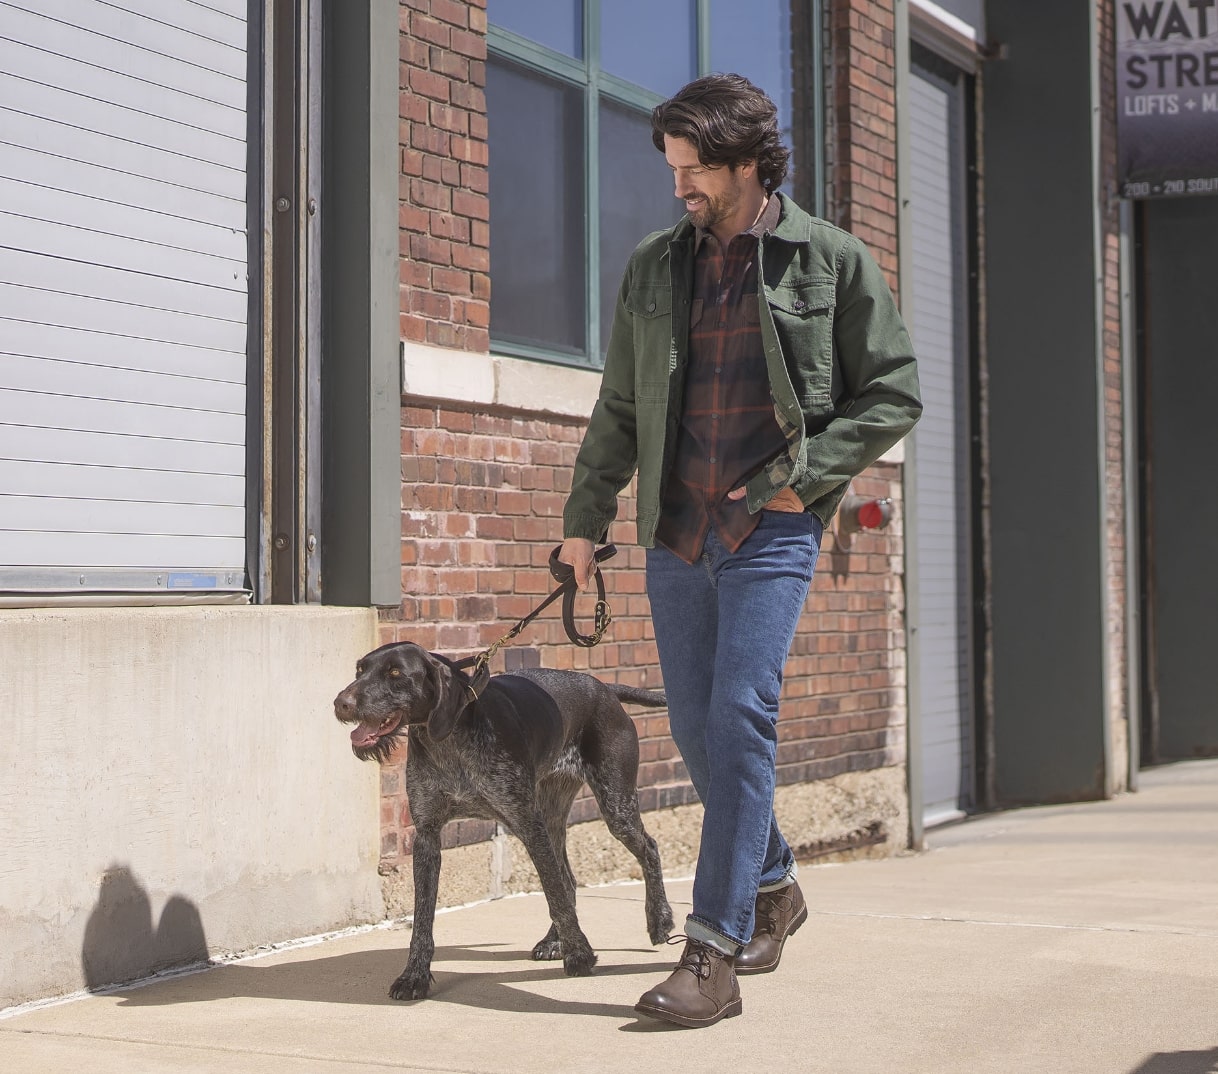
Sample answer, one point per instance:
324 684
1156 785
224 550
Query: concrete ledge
176 787
497 380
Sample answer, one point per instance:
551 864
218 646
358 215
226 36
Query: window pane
636 197
536 144
754 40
557 24
652 43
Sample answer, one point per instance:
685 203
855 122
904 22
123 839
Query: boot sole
799 919
730 1011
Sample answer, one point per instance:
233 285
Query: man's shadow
122 945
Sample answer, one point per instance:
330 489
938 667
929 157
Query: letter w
1140 20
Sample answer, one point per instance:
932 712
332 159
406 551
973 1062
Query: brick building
302 308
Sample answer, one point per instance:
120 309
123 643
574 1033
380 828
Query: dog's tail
634 695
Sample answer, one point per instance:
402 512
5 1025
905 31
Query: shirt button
723 324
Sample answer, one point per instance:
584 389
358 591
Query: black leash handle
564 574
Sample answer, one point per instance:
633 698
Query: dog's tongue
364 735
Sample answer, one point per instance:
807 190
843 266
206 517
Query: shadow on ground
498 978
1205 1062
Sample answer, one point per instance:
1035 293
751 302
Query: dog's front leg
578 956
415 979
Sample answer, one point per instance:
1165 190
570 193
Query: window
575 182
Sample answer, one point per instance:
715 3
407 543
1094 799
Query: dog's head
396 686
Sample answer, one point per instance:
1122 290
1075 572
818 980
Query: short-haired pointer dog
517 753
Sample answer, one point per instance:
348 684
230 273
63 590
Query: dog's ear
450 699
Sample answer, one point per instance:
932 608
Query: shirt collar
765 223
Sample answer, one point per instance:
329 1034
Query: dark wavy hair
729 121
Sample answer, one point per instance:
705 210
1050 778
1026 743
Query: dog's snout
344 705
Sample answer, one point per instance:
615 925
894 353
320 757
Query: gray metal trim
119 579
913 717
361 368
943 40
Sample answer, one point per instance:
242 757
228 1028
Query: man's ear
449 699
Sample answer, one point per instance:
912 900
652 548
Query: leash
564 574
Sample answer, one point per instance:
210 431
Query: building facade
302 310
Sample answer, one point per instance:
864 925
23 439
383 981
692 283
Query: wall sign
1167 97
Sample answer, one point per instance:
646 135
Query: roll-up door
123 295
939 326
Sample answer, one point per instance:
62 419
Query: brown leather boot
779 914
700 991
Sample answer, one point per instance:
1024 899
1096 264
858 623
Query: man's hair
729 121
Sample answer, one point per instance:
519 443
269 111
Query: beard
713 211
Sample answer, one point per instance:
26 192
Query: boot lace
696 957
774 904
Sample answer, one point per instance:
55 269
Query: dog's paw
411 985
547 950
579 963
660 931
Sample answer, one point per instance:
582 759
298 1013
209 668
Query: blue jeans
724 627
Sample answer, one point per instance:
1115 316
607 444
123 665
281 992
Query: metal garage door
941 544
123 294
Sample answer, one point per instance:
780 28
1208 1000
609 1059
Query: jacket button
800 304
651 307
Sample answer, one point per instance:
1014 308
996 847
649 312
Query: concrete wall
173 784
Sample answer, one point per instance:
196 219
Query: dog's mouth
367 734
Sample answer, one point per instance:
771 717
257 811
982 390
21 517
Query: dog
516 753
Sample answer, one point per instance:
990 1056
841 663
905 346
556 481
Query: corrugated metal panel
123 294
940 331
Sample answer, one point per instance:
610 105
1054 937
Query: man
757 362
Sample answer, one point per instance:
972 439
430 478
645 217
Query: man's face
711 195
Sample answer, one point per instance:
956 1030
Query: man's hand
577 552
786 501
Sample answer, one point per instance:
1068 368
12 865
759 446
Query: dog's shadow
363 977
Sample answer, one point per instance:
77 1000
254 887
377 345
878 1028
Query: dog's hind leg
415 980
613 784
555 795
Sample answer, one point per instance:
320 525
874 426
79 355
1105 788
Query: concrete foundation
175 786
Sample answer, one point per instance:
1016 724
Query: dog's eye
394 673
359 669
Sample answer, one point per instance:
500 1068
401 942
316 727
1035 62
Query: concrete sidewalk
1067 940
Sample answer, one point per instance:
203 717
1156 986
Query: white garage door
939 326
123 294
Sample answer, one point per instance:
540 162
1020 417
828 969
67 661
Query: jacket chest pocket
651 309
803 319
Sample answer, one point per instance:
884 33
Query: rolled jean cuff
702 932
785 882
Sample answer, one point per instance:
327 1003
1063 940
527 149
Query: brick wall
444 208
1114 428
482 504
861 187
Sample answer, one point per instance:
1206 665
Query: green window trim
587 74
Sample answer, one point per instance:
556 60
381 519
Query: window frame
585 72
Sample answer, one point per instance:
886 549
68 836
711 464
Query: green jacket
841 369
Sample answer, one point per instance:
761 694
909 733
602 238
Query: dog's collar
475 684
